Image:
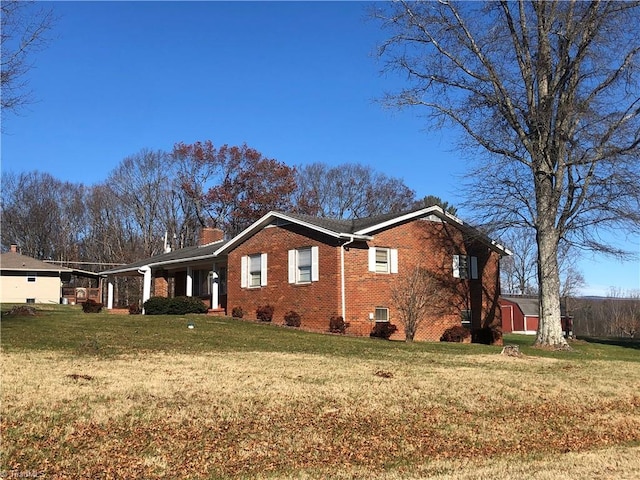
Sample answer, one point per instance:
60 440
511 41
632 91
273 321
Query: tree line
155 197
616 315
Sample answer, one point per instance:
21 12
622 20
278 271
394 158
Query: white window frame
295 267
391 260
245 271
465 267
384 312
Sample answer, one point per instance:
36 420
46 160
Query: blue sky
298 81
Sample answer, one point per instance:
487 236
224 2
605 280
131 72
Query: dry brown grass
278 415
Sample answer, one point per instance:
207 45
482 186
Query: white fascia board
184 260
247 232
266 219
440 213
435 210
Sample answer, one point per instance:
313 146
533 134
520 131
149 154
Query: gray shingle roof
339 228
18 262
175 256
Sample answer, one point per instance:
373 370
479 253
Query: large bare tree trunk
550 324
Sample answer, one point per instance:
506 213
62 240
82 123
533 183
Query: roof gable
362 228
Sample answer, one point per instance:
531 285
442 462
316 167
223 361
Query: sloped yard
107 396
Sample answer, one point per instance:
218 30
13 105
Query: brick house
321 268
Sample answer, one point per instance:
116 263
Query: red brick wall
425 243
315 302
160 284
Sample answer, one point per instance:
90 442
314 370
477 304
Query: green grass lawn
131 396
67 328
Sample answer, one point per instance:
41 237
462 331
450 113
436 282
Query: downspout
342 281
146 284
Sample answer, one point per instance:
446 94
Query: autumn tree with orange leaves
232 186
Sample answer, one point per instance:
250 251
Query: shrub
487 336
156 306
383 330
185 305
21 310
91 306
292 319
237 312
174 306
337 324
455 334
265 314
134 309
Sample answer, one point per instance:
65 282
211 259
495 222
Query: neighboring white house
27 280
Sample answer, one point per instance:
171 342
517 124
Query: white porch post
189 289
110 295
146 285
215 300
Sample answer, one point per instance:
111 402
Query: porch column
189 289
110 295
146 288
215 300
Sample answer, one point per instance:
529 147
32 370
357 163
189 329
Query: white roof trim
433 210
266 219
424 212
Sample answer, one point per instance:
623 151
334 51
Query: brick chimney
209 235
14 248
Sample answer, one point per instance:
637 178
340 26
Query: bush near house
292 319
265 313
184 305
455 334
91 306
134 309
174 306
337 324
487 336
237 312
383 330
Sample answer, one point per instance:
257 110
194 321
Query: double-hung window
303 265
253 270
383 260
465 266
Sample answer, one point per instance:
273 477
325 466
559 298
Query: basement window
382 314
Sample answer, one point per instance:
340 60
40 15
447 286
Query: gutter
343 294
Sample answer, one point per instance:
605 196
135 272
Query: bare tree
416 294
518 271
349 191
24 30
45 216
623 312
547 94
142 185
